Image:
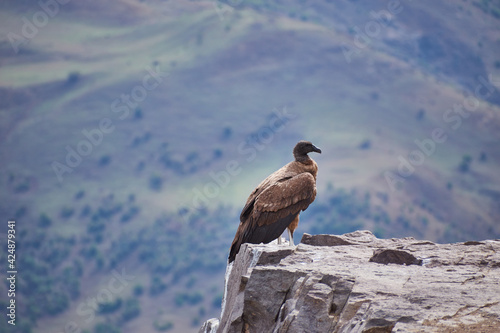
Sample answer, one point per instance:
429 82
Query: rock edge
359 283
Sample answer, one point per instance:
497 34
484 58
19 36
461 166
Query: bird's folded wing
287 196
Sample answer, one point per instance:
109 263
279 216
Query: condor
277 201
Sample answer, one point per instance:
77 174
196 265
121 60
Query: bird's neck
303 159
307 164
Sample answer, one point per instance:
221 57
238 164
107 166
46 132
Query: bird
276 202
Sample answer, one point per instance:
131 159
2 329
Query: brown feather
294 224
276 202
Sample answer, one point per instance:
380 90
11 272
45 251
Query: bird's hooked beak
316 149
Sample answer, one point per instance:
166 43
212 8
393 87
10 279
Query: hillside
132 132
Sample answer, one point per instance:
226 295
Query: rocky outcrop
359 283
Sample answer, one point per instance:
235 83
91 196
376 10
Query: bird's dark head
302 148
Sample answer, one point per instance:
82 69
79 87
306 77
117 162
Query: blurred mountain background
132 132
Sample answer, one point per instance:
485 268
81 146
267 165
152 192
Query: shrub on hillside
109 307
106 328
73 78
131 309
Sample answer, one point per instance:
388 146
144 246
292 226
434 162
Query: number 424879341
11 244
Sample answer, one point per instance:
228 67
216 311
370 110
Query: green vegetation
131 309
73 78
109 307
163 326
49 294
420 114
155 182
227 133
483 157
188 298
67 212
465 164
104 160
138 290
217 301
490 7
365 144
44 221
138 114
106 328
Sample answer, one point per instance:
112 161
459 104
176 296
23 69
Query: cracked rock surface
359 283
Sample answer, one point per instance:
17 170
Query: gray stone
210 326
389 256
323 240
337 284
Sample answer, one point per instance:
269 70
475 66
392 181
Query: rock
359 283
210 326
324 240
388 256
